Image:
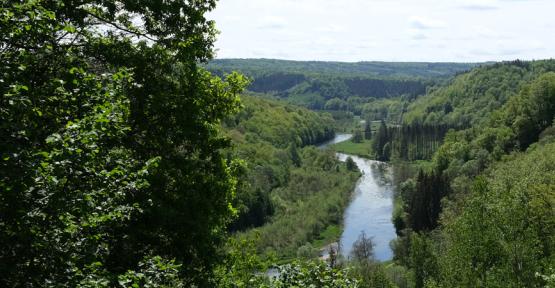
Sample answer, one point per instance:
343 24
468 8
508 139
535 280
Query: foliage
241 267
471 97
358 137
367 130
498 232
338 86
258 67
110 150
312 200
424 205
154 272
505 234
313 274
293 194
363 249
351 165
269 135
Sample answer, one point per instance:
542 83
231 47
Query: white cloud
398 30
423 23
272 22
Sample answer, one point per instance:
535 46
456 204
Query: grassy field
363 149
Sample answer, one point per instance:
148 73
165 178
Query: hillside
258 67
481 212
336 85
293 192
470 97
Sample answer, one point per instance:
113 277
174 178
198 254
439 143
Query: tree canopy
110 154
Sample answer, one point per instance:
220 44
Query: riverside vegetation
125 163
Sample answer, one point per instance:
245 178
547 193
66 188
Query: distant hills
337 85
376 69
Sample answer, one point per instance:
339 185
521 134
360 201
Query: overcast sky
386 30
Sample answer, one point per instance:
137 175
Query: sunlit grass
363 149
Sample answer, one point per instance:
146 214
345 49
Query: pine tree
368 130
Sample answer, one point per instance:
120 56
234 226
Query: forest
337 86
130 157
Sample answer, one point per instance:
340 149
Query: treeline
277 82
257 67
408 142
487 191
324 92
337 86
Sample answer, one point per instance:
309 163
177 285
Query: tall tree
368 130
380 140
110 152
358 136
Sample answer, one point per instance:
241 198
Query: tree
424 205
110 150
380 140
368 130
368 271
363 249
358 137
313 274
295 157
422 259
351 165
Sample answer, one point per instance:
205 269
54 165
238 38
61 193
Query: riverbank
371 207
308 210
362 149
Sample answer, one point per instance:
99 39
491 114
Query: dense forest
337 86
257 67
481 213
294 191
129 157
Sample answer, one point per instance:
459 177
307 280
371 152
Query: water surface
370 209
371 206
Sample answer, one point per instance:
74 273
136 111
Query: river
371 206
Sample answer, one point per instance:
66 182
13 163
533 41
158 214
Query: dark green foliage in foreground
313 274
111 169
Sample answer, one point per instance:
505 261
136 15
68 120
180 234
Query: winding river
371 206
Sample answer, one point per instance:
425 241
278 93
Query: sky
386 30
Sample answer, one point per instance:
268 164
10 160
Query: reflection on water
371 206
370 209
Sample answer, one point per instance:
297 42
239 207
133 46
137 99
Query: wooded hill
469 98
481 214
294 192
334 85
